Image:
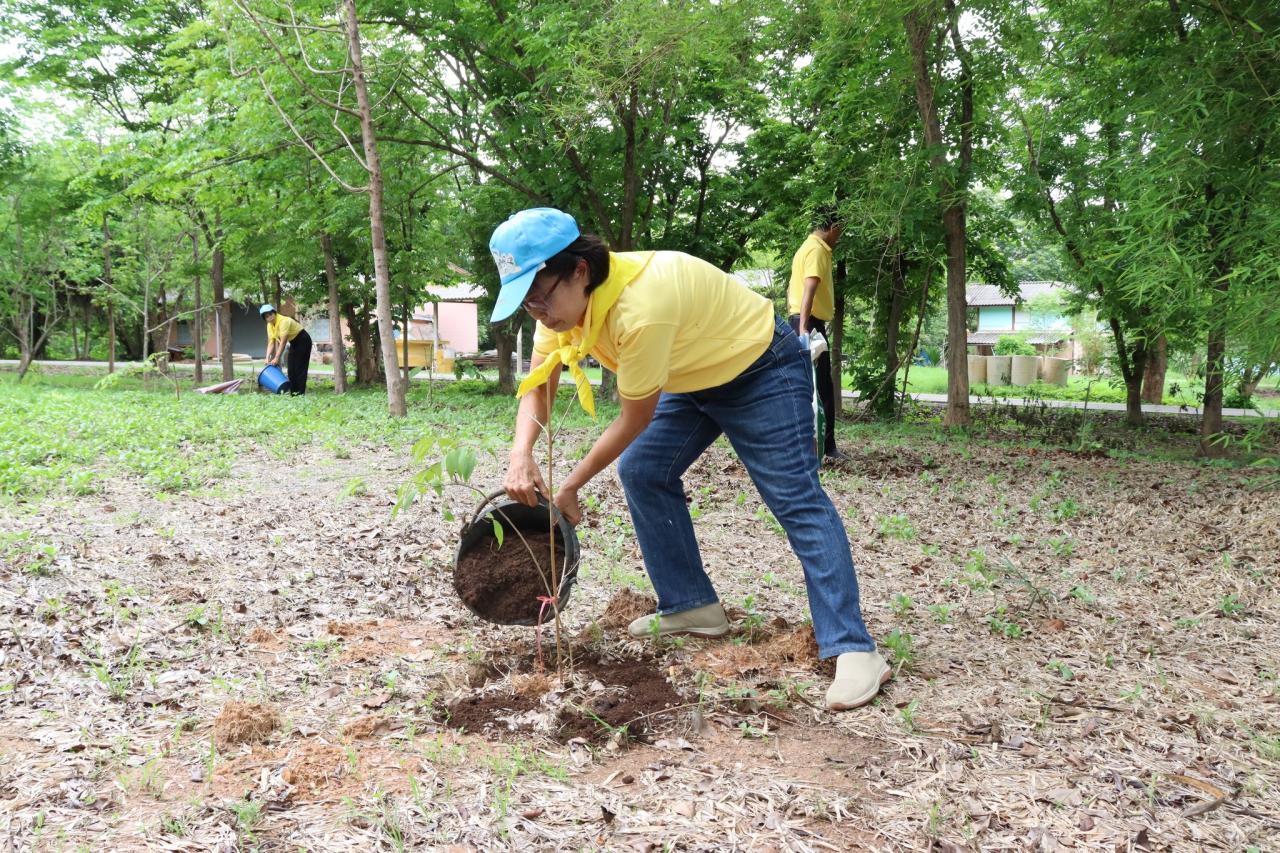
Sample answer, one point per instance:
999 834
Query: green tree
304 48
622 113
1162 195
46 251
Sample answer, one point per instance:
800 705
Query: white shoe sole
686 632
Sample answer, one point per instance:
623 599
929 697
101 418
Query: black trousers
299 362
826 388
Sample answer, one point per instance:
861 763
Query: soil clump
244 722
489 715
502 584
766 651
626 606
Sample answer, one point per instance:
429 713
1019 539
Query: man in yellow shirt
811 302
281 330
698 354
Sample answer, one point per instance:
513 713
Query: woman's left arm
635 416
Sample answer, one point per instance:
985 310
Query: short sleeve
644 360
544 340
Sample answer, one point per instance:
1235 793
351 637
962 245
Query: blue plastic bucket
273 380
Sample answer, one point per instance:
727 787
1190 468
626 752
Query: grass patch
1179 390
59 435
57 431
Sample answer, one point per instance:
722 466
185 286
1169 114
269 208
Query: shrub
1013 345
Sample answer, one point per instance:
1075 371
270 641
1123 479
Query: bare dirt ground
1087 654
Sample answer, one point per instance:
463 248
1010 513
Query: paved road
213 373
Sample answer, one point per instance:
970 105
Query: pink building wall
458 325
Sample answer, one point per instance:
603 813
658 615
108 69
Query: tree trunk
920 31
144 344
520 350
630 173
1153 376
171 326
335 318
1133 384
381 270
127 341
1250 378
86 317
376 351
106 280
506 344
29 343
836 332
608 385
38 321
915 338
1211 418
957 330
197 319
1133 403
160 328
277 290
404 344
24 330
75 331
362 339
893 323
222 309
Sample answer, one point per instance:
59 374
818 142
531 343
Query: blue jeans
766 413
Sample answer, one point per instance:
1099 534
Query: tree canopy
354 162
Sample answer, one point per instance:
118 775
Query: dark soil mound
485 714
502 584
636 697
639 699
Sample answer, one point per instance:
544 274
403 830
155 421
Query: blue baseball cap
521 247
267 309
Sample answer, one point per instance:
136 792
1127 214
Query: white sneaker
859 676
706 621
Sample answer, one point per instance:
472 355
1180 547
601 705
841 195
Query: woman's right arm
524 482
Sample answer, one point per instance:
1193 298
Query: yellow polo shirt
282 326
813 259
682 325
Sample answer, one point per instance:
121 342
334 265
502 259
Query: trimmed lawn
1179 390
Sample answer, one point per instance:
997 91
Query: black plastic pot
512 516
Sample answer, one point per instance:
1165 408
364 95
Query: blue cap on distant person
521 247
267 309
